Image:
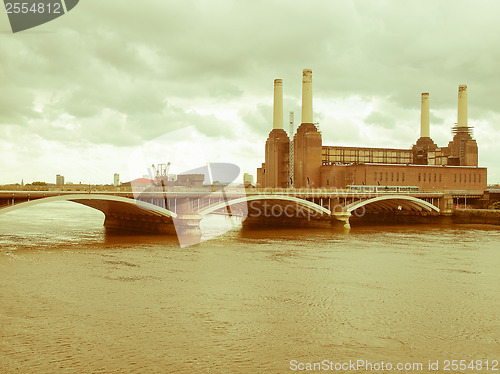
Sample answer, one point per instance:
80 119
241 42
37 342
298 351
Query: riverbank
459 216
481 216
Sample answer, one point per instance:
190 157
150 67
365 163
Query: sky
190 82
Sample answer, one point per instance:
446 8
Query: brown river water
75 299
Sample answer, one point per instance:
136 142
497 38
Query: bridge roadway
180 211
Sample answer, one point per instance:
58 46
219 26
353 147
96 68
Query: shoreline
475 216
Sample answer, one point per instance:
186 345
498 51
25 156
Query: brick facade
426 177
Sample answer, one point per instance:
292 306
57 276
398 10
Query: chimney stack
462 106
278 105
424 117
307 109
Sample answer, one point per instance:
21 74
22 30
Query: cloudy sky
81 95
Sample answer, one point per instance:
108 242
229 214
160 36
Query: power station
424 165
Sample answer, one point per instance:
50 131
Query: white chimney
278 104
307 105
462 106
424 117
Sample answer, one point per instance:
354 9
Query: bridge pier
446 205
341 218
187 227
140 223
187 223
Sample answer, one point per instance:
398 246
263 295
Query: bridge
180 211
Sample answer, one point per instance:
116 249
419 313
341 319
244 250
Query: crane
161 172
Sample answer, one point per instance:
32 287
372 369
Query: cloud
259 118
381 120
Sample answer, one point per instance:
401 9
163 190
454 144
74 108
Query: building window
440 177
419 177
465 178
392 177
402 177
397 177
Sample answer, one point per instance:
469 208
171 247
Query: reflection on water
76 299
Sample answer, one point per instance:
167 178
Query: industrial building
304 162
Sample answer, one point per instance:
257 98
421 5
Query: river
75 299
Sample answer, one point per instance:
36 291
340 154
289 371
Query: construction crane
161 173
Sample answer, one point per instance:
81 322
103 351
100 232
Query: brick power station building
425 165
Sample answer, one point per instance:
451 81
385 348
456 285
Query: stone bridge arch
120 212
104 203
302 203
389 202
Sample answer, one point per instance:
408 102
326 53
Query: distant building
143 181
59 180
190 180
247 179
116 180
139 183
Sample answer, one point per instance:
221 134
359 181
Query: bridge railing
319 192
